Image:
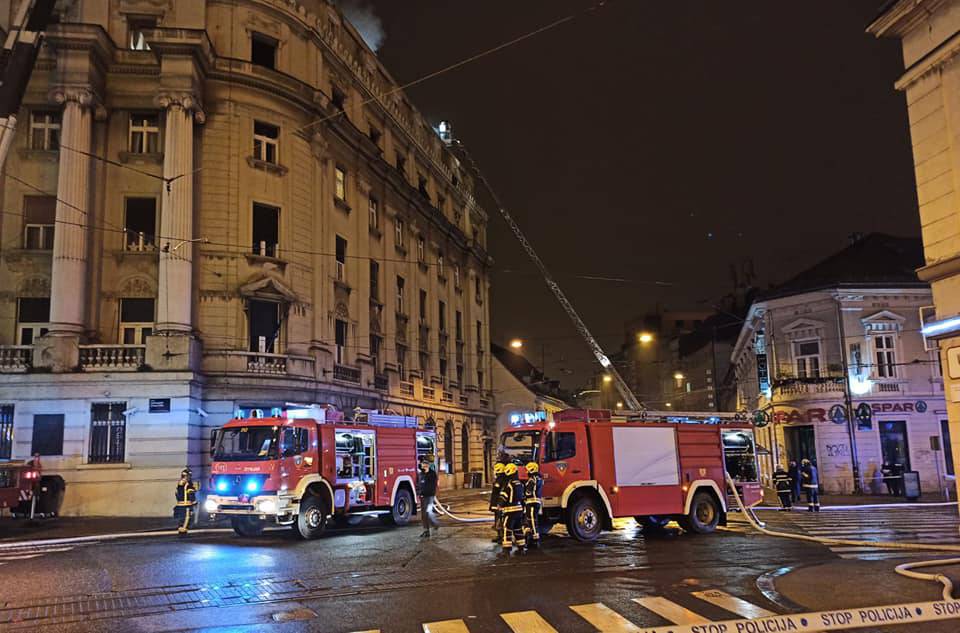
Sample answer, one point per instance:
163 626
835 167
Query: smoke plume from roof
365 20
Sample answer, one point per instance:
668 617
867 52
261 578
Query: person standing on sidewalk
811 485
428 497
784 486
794 473
186 495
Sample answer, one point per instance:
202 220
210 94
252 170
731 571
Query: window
440 268
33 319
375 344
374 280
140 223
265 139
442 312
294 441
401 286
136 26
39 219
339 99
886 356
421 250
374 211
465 448
456 276
341 259
136 320
375 135
423 306
108 430
398 233
460 375
45 130
807 356
401 163
422 186
560 446
402 361
47 435
443 371
856 358
340 183
263 50
441 203
478 290
144 134
6 431
340 335
479 336
448 446
479 379
458 324
266 230
265 325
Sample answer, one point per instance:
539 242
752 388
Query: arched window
465 447
448 445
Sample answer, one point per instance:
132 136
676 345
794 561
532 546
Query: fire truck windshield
520 447
246 444
739 454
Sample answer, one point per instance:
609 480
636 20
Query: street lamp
619 405
645 337
516 343
668 405
607 378
678 376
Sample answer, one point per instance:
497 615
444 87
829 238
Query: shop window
265 324
136 320
33 319
108 431
266 230
144 135
265 140
140 223
263 50
45 130
39 219
47 435
807 358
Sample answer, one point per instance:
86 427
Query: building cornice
901 17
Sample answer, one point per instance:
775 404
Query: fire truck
26 493
598 467
304 467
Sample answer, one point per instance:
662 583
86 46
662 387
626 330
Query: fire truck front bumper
281 508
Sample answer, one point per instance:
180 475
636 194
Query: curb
868 506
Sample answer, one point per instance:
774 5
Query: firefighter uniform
532 504
186 496
783 482
811 485
498 481
511 505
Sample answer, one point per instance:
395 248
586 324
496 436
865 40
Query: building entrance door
893 444
801 443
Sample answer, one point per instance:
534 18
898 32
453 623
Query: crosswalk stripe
671 611
20 557
527 622
604 619
446 626
733 604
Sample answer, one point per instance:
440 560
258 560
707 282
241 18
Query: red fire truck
597 468
303 467
19 483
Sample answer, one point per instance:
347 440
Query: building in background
523 393
844 336
928 30
276 223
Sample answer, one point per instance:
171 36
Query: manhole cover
294 615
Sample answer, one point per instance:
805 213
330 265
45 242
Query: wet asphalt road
367 577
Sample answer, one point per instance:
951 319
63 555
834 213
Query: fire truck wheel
585 519
247 526
704 514
402 509
312 519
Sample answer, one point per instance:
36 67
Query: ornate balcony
112 357
16 358
406 389
257 363
429 393
346 373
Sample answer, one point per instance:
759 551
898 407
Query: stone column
175 296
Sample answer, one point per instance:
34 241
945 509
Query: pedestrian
511 505
896 474
794 472
811 485
784 486
186 496
495 500
532 504
428 497
887 471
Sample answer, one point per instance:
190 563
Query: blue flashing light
222 485
252 485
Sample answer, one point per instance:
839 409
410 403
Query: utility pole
848 404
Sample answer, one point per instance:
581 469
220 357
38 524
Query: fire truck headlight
267 506
210 506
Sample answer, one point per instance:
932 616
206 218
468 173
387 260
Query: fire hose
445 510
903 570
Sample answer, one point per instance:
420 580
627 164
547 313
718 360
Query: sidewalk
72 527
770 499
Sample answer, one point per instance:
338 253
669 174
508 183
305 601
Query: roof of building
527 373
721 327
874 260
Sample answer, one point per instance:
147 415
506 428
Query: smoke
365 20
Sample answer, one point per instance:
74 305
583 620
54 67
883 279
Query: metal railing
16 358
346 373
112 357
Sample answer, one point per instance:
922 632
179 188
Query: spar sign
827 620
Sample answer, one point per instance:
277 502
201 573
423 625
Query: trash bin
911 485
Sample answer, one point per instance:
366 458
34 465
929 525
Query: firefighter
811 485
495 500
784 485
186 496
511 505
532 504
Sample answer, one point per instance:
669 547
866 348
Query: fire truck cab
305 467
597 468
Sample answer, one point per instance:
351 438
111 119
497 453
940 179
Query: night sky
661 142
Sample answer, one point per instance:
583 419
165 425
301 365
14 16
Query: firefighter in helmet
186 495
511 505
498 480
532 504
